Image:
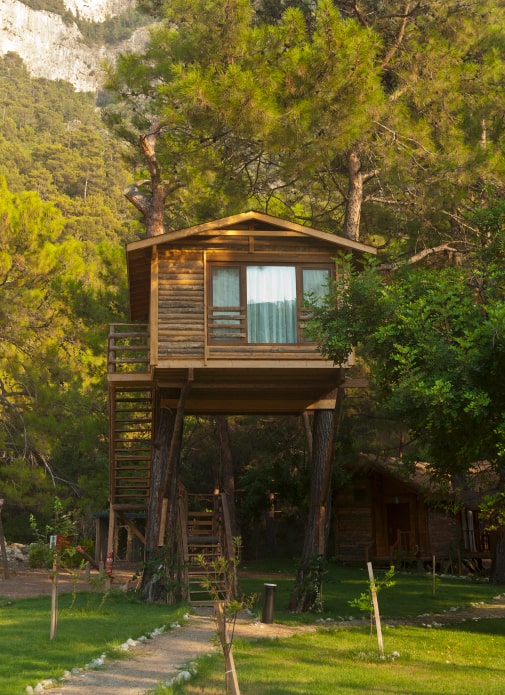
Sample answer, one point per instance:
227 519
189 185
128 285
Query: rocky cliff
55 49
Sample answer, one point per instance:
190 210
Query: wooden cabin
384 516
218 316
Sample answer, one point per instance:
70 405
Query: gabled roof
247 224
250 222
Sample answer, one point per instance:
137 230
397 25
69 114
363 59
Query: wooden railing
128 348
229 324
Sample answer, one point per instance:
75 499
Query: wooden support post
163 522
168 487
110 542
433 577
230 546
375 605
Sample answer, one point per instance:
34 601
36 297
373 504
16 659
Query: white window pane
271 304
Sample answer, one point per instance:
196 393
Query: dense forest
64 223
378 121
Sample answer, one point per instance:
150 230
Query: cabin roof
249 223
252 222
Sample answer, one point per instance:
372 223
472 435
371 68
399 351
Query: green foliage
56 543
434 343
62 280
364 601
249 110
261 104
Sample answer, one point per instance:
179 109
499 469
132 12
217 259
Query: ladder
131 424
204 549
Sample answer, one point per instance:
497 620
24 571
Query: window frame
239 313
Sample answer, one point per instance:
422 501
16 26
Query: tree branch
421 255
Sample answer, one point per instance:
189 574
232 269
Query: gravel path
156 661
161 658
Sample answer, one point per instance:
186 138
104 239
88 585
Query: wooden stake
54 598
375 604
232 687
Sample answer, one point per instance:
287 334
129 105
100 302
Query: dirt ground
161 658
26 582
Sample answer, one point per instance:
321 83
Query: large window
262 304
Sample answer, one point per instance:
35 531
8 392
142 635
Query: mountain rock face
55 49
97 10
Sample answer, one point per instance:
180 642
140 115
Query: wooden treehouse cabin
218 327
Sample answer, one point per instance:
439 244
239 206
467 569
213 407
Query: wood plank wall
181 304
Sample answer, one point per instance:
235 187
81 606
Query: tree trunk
307 592
497 575
354 202
316 533
153 584
152 205
354 196
227 473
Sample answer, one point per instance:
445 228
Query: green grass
85 631
341 662
465 659
411 596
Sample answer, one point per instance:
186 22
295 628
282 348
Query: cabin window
262 304
226 300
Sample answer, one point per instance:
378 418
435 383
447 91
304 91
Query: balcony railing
128 348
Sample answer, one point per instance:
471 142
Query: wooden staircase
131 447
204 542
130 416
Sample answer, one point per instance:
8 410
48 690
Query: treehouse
219 314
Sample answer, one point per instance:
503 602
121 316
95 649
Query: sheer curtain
271 304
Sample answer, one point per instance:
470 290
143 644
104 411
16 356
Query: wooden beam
153 319
133 528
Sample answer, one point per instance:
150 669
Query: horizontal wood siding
353 534
444 532
180 304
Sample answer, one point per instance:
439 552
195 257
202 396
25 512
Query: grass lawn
461 660
436 661
412 594
443 661
85 631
